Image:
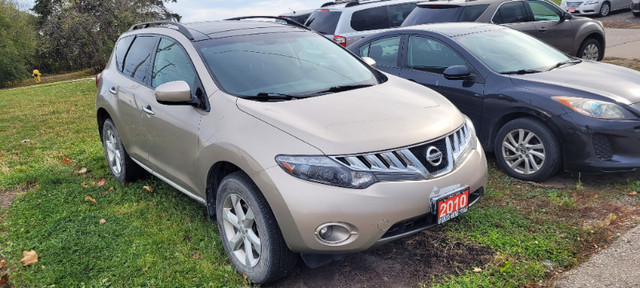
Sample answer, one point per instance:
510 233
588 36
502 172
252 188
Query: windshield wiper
344 88
560 64
522 71
264 96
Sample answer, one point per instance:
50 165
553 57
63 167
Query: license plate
572 10
452 205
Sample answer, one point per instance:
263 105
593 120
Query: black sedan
537 109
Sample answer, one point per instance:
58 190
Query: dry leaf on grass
102 182
30 258
634 193
83 170
2 262
102 221
196 256
148 188
65 161
88 198
84 185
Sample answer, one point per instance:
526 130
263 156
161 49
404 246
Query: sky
206 10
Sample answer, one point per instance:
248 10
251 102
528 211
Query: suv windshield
283 64
508 51
439 13
324 21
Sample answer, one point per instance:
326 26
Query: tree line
58 36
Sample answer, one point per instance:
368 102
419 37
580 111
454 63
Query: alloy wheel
240 230
591 52
114 155
523 151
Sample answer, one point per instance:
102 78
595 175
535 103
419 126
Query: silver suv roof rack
277 18
350 2
181 28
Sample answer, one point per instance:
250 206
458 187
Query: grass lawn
89 230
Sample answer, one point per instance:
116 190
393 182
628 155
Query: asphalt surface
622 43
617 266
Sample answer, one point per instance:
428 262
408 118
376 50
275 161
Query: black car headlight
325 170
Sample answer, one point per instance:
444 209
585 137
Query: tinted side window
397 13
433 14
172 64
138 60
121 50
369 19
323 21
471 13
543 11
384 51
430 55
510 12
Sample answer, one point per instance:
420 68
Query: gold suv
294 145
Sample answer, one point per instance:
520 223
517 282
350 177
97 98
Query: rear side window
384 51
121 50
381 17
138 59
510 12
323 21
434 14
471 13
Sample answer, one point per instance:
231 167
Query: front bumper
580 8
635 7
380 213
594 145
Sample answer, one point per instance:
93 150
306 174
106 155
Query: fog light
333 233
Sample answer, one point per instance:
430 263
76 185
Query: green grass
163 239
156 239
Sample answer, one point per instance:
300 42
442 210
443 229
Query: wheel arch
101 116
216 173
543 117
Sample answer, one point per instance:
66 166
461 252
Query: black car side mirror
457 72
566 16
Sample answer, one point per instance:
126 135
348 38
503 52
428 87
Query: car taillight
98 78
340 40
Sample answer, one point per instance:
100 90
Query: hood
608 81
393 114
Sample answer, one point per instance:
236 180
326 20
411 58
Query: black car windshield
290 63
509 51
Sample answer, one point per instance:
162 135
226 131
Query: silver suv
294 145
348 21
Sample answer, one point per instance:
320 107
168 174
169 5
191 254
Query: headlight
325 170
595 108
591 2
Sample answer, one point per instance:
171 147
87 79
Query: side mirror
174 92
457 72
566 16
369 61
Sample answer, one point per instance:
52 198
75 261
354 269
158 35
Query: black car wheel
527 149
591 49
121 166
249 232
604 9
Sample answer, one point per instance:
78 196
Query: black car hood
617 83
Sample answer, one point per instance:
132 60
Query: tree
78 34
17 34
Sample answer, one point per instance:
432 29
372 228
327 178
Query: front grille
423 161
573 4
602 147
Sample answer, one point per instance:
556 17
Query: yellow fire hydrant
36 75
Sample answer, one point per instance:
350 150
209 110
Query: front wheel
604 9
637 14
249 231
591 49
527 149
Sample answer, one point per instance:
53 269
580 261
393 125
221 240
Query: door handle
147 109
112 90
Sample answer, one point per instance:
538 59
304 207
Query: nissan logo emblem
434 156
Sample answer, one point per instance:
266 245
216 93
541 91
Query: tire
591 49
605 9
527 149
249 232
637 14
121 166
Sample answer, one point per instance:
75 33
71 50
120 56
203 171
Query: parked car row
299 148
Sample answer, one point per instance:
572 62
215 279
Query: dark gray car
577 36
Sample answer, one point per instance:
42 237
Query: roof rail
277 18
351 3
181 28
337 2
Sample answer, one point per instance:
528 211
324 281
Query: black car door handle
147 109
